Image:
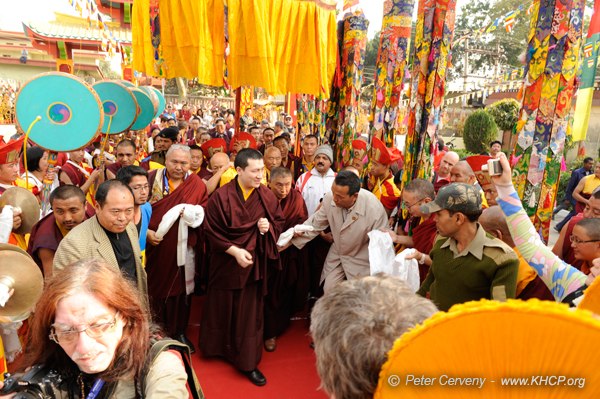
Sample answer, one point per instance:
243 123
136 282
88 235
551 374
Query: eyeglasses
71 335
145 187
576 240
407 206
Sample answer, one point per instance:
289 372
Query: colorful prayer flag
585 93
553 53
392 59
349 4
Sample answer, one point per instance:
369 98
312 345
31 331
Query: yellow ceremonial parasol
591 297
487 349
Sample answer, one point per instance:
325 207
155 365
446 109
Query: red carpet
290 370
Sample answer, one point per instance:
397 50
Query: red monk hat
359 149
383 155
10 152
213 146
240 141
476 163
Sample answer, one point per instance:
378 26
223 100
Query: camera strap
96 388
170 344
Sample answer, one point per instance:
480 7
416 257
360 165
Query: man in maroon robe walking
243 223
288 287
171 186
68 211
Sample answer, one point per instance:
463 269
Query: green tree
371 51
505 113
107 71
480 129
478 14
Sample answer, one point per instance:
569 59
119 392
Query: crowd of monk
190 206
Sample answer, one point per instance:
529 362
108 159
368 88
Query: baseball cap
170 133
455 197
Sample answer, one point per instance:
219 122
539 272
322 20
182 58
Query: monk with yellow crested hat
381 178
9 163
359 155
9 172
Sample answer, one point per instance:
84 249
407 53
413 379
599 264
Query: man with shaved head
272 160
442 176
462 173
171 278
529 284
218 164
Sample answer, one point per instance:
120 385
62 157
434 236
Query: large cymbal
30 207
19 272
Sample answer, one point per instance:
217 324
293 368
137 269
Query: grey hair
354 326
178 147
423 188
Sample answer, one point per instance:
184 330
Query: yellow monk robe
387 192
590 183
525 275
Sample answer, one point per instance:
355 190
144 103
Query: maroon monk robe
288 287
114 167
294 164
166 280
423 237
567 249
204 173
536 288
44 234
439 183
232 315
77 177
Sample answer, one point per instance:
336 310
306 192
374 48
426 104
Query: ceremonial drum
153 97
119 105
70 111
162 103
146 109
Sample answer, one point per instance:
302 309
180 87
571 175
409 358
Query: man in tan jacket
351 213
109 235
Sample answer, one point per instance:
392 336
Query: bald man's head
493 221
448 161
272 157
219 160
462 173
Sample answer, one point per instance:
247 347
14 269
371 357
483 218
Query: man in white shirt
314 184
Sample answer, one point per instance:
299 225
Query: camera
37 383
493 167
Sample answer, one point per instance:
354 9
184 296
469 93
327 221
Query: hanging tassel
532 202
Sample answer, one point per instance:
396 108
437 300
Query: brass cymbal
30 207
11 247
19 272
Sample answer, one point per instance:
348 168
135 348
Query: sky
14 11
